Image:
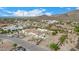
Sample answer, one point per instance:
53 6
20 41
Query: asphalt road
28 46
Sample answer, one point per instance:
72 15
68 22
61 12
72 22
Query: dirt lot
6 45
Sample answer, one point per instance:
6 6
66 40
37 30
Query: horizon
34 11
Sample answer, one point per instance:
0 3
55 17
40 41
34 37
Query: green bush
54 32
61 30
14 45
54 46
76 29
63 38
6 31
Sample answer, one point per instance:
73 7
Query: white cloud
48 14
77 8
69 8
18 13
35 12
1 8
5 15
4 10
8 11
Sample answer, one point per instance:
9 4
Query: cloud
35 12
8 11
4 10
1 8
68 8
18 13
77 8
48 14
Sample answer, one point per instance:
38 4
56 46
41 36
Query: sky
34 11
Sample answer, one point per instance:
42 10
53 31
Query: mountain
73 15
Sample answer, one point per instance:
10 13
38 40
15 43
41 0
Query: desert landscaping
40 33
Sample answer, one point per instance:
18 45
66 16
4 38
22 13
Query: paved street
28 46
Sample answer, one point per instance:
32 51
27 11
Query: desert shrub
63 38
54 32
54 46
61 30
14 45
76 29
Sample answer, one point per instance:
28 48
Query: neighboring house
42 30
52 21
12 27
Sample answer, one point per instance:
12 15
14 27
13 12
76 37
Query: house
12 27
52 21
